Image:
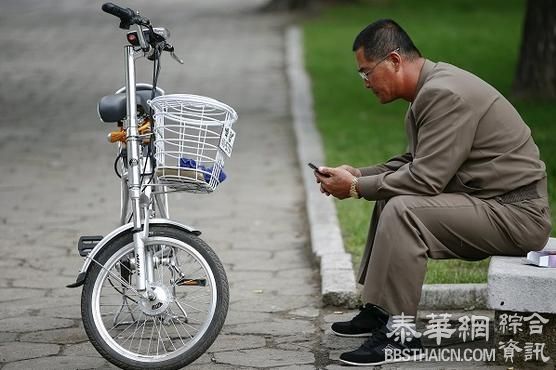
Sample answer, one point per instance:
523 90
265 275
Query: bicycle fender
127 228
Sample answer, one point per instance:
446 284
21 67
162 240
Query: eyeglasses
365 75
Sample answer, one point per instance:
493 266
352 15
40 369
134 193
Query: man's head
387 60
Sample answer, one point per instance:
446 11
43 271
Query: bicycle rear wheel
170 331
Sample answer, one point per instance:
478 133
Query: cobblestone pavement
57 180
59 57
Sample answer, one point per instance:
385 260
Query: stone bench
516 290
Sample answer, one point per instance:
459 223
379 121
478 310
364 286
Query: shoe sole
383 362
352 335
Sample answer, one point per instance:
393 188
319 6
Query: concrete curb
454 296
338 286
337 278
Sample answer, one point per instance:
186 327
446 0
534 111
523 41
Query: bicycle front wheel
183 316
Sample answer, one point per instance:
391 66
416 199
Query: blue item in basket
207 171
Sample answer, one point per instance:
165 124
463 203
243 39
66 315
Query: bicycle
154 294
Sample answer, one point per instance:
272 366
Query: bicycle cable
118 157
157 66
121 292
156 73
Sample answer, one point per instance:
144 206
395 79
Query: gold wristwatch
353 189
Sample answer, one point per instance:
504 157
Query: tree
536 71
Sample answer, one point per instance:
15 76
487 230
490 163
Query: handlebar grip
125 14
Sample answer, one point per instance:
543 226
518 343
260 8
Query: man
471 184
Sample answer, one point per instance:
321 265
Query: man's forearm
393 164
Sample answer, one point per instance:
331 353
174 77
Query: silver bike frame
143 261
134 169
160 199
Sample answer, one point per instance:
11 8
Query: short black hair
381 37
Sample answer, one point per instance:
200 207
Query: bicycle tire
91 289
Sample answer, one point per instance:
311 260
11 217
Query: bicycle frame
155 295
161 200
131 192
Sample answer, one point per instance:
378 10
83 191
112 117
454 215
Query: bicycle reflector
133 37
87 243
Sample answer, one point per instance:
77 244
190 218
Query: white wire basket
193 136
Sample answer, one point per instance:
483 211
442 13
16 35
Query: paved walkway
57 181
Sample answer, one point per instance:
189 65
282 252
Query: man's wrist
353 191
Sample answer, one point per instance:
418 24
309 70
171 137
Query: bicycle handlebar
127 15
122 13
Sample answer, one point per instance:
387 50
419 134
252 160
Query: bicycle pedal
87 243
191 282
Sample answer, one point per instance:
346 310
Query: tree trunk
536 71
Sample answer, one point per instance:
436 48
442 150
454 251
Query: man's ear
396 60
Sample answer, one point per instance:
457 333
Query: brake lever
176 58
170 49
142 43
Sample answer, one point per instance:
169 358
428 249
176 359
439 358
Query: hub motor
160 300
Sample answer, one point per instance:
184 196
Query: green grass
482 37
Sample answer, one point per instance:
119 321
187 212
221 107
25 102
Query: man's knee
397 206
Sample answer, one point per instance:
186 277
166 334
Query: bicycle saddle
112 108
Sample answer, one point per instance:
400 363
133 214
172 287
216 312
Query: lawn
480 36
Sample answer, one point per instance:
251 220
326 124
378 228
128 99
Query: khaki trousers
407 230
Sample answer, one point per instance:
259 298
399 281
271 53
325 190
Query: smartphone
316 169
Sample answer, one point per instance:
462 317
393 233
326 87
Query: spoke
130 311
128 286
168 335
177 331
187 331
121 265
116 325
158 335
184 328
193 321
151 340
198 301
158 339
181 308
198 271
142 332
190 306
132 336
135 332
110 305
193 297
192 327
161 264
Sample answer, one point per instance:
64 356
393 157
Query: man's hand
336 181
354 171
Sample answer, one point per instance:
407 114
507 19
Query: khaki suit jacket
463 137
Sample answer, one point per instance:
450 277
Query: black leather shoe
379 349
369 319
